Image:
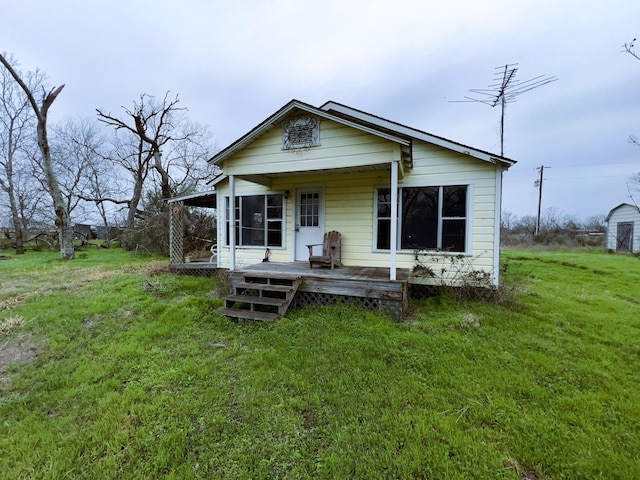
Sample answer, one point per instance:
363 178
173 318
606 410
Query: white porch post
232 222
394 220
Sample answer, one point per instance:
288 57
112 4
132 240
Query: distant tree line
111 170
556 228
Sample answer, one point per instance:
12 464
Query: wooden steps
262 296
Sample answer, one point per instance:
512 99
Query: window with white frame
259 220
429 218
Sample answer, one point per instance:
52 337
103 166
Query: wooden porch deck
346 272
369 286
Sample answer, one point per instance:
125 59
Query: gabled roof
635 207
360 120
296 105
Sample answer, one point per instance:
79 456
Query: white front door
309 221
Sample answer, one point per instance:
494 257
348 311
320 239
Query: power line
597 164
528 170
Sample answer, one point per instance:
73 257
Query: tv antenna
505 90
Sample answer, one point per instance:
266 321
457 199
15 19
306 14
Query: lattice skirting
194 271
417 290
176 232
314 299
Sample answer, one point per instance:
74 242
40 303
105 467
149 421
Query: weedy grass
137 376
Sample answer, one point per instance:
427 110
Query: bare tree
633 139
63 222
595 223
89 181
507 220
153 125
552 220
525 224
155 140
75 152
16 123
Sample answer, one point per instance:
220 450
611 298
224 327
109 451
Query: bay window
429 218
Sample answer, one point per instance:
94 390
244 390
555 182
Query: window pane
453 235
274 206
419 218
309 209
384 234
384 202
454 201
253 220
274 234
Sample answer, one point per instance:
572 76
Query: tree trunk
17 224
135 201
63 222
164 176
65 229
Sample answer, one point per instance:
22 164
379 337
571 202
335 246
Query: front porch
368 286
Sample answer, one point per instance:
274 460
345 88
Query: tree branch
629 48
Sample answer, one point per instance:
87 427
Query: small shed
623 228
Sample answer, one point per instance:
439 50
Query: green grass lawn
123 371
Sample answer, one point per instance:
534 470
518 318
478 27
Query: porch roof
198 199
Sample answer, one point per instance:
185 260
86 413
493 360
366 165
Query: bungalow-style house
623 228
398 196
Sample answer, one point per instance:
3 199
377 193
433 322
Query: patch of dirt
156 267
80 278
22 348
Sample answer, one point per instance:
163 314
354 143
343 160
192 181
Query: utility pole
539 185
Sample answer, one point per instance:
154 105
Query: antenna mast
505 89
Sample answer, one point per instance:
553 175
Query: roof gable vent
300 133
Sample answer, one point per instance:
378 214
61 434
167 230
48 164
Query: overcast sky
233 63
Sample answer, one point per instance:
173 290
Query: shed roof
635 207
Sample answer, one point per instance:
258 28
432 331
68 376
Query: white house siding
437 166
340 147
622 214
350 195
348 208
